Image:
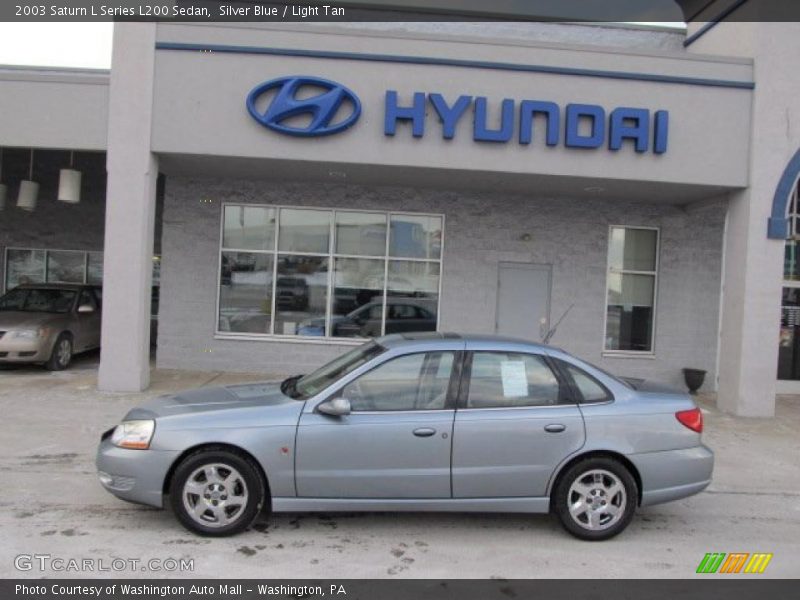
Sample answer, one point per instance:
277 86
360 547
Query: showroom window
791 260
31 265
288 271
37 265
789 345
631 289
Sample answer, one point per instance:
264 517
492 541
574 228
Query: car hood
17 319
213 401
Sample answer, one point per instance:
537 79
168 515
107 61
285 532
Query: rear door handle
555 428
424 432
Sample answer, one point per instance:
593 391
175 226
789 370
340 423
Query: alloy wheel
64 352
215 495
596 500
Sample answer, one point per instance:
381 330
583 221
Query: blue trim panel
454 62
778 224
712 23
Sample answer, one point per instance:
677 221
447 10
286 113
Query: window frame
331 256
632 353
566 393
453 386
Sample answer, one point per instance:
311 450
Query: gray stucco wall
481 229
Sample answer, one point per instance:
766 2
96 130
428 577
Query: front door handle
424 432
555 428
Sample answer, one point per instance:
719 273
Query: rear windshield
619 380
38 300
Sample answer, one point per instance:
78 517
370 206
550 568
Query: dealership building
272 194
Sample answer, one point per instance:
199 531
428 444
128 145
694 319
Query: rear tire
595 499
217 492
61 355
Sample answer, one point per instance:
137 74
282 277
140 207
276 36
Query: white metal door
523 300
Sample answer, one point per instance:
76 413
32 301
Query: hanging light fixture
28 190
3 188
69 183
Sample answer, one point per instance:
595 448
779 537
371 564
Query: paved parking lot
52 504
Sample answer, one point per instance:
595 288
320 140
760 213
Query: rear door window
510 380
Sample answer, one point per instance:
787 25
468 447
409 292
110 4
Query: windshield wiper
289 385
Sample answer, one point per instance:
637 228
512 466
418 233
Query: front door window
411 382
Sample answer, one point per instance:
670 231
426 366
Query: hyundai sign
286 103
334 108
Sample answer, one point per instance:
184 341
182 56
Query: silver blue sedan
425 422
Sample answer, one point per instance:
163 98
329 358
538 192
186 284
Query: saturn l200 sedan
426 422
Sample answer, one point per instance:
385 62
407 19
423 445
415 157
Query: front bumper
134 475
673 474
23 350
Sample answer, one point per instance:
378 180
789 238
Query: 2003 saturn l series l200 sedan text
425 422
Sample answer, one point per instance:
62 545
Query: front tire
61 355
217 492
595 499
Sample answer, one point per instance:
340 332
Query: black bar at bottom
734 587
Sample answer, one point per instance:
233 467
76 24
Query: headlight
133 434
30 334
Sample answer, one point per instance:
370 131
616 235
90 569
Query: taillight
693 419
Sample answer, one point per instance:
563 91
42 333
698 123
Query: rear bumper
673 474
134 475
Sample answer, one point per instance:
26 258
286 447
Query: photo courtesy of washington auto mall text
174 590
400 300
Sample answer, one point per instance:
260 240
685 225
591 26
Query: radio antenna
552 331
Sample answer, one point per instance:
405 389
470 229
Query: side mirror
338 407
85 308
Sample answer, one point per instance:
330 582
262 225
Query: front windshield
38 300
313 383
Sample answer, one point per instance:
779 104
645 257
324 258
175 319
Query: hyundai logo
322 108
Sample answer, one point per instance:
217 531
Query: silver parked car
49 322
424 422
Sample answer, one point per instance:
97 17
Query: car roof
437 337
397 300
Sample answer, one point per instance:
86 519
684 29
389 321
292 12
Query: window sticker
515 381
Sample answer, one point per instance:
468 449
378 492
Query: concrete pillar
750 309
130 212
